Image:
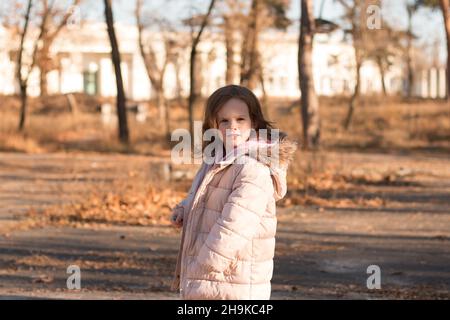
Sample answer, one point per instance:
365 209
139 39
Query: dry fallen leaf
42 279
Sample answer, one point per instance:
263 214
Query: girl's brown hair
222 96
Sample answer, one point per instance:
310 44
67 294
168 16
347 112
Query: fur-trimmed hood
276 155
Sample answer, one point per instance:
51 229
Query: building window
90 82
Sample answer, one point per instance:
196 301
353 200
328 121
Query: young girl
228 218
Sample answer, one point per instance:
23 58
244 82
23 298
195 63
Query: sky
427 24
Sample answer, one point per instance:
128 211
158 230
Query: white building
84 65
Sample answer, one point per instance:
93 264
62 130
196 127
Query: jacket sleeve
240 217
182 205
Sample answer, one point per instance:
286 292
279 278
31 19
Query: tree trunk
43 53
179 87
249 53
408 55
163 110
382 75
43 82
410 80
229 45
155 75
167 120
121 99
43 70
309 102
23 83
47 39
445 7
192 92
355 95
264 101
23 106
357 44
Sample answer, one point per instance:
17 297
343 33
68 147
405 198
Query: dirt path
322 252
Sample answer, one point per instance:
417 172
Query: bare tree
383 46
411 9
53 21
156 73
121 99
23 77
176 59
309 102
355 11
262 14
233 21
249 51
192 68
229 45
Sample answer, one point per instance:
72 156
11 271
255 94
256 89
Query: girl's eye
240 119
223 120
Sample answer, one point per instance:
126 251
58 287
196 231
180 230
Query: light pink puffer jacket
228 238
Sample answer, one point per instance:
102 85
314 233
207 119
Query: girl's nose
233 125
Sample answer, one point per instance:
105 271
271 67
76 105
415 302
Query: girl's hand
177 217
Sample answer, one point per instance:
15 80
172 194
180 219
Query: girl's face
234 123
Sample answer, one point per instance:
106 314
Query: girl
228 218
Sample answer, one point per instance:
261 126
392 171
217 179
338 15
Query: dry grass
51 128
386 124
13 141
379 124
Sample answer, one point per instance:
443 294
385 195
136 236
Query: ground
398 219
